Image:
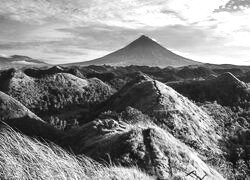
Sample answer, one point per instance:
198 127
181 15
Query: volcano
144 52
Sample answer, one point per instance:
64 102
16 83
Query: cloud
81 30
232 26
101 37
234 5
195 10
123 13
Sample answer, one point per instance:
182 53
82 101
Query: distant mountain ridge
143 51
18 61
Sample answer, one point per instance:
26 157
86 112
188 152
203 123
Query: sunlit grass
24 158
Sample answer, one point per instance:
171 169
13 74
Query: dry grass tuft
24 158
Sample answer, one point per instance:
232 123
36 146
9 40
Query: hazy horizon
65 31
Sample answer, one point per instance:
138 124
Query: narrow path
158 92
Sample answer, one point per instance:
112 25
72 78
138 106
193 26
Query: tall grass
24 158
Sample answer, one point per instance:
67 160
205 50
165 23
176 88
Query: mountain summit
142 51
143 41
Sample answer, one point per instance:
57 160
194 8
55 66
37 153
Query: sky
65 31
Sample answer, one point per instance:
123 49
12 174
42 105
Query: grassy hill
226 89
55 96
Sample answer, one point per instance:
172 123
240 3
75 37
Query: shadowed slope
19 117
39 73
12 109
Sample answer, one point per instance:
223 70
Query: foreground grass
24 158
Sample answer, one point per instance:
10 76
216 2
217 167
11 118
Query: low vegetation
22 158
235 163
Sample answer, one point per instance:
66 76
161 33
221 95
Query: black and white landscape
124 90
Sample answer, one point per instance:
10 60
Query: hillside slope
169 110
